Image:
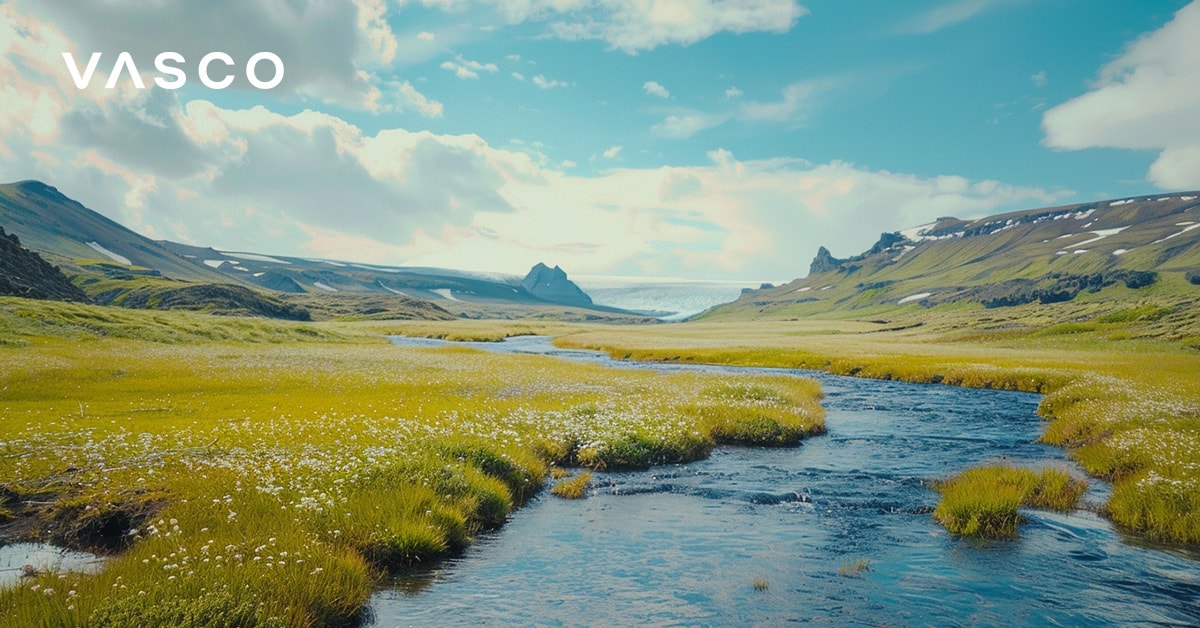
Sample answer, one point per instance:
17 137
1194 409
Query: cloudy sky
721 139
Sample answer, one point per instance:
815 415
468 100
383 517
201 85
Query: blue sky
684 138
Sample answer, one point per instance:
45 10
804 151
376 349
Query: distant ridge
1047 255
116 265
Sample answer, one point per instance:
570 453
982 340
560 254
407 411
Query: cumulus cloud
653 88
544 83
467 69
1145 99
612 152
728 218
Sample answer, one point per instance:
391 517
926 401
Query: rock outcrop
24 273
824 262
551 284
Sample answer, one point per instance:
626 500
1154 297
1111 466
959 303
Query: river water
685 545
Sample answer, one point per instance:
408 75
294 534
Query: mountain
117 266
24 273
65 231
552 284
1129 248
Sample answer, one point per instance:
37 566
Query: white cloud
653 88
733 92
612 153
411 98
545 83
687 124
797 103
1145 99
468 69
644 25
518 76
943 16
1039 78
426 36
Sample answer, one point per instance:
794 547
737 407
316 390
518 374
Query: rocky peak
824 262
552 284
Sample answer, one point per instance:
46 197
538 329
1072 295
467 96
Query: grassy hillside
66 232
1115 252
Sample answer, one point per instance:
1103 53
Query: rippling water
684 545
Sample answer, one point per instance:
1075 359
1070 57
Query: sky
698 139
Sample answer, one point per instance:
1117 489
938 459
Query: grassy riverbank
1126 408
262 473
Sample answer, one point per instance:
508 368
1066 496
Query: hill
115 265
1116 252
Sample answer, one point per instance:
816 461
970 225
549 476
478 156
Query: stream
837 531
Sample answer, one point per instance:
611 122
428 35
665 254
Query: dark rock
551 284
24 273
824 262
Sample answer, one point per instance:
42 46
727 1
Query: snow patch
1187 198
1103 233
914 297
1177 234
215 263
120 259
445 294
1120 251
1121 202
1078 251
804 289
256 258
325 287
391 290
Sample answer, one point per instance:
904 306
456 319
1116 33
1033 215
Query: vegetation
574 488
984 501
855 569
259 472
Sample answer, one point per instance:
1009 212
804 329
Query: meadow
250 472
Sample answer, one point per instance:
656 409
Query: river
837 531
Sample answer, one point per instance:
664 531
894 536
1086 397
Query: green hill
1110 254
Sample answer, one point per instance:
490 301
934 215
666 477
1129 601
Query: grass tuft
574 488
984 501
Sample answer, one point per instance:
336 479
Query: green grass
984 501
272 473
